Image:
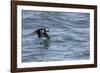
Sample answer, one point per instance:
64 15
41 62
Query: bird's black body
42 33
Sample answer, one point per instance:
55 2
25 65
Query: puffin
42 33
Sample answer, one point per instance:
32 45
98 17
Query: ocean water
68 31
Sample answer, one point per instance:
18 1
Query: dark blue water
68 31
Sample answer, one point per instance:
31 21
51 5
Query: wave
69 33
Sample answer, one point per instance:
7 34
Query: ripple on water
68 31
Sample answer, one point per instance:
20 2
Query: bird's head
47 30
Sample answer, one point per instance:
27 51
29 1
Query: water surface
68 31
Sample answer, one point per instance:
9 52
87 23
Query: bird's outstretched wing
34 32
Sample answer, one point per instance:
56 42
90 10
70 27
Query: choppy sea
68 31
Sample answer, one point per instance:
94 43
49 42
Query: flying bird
42 33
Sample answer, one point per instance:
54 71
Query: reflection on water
45 43
68 31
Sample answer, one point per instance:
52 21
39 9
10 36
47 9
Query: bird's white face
47 30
